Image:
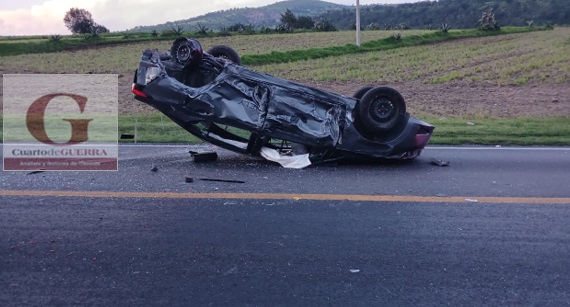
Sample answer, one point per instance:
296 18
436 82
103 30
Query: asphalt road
490 229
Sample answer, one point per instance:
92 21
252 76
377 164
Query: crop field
536 57
525 75
527 58
124 57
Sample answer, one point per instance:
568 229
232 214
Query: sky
45 17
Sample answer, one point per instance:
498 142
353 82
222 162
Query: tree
488 21
288 20
80 21
324 26
97 29
304 22
202 29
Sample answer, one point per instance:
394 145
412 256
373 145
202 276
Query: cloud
46 17
24 22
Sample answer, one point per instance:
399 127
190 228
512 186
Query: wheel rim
383 109
183 53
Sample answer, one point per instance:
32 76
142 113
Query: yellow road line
333 197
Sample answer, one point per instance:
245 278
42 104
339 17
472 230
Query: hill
265 16
458 14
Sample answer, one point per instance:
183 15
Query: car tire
187 52
380 109
223 51
358 95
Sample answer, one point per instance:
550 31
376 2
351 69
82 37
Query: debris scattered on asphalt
205 157
231 271
295 161
35 172
127 136
154 169
438 162
441 195
354 271
471 200
188 179
222 180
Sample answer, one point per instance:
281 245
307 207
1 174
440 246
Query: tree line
459 14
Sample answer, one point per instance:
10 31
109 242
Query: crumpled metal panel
232 100
303 119
267 105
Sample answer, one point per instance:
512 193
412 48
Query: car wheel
381 109
358 95
223 51
187 52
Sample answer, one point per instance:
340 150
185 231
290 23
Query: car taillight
423 136
137 90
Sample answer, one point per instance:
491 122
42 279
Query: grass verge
552 131
44 44
548 131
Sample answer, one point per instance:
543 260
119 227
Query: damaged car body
212 96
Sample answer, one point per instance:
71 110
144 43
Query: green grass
449 131
549 131
58 130
43 44
154 128
553 131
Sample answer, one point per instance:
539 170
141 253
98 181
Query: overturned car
212 96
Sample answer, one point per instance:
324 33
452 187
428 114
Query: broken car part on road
213 97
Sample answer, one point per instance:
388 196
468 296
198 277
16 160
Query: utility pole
358 23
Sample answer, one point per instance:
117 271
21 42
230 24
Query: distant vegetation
289 23
80 21
457 14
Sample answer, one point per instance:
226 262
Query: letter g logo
36 115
